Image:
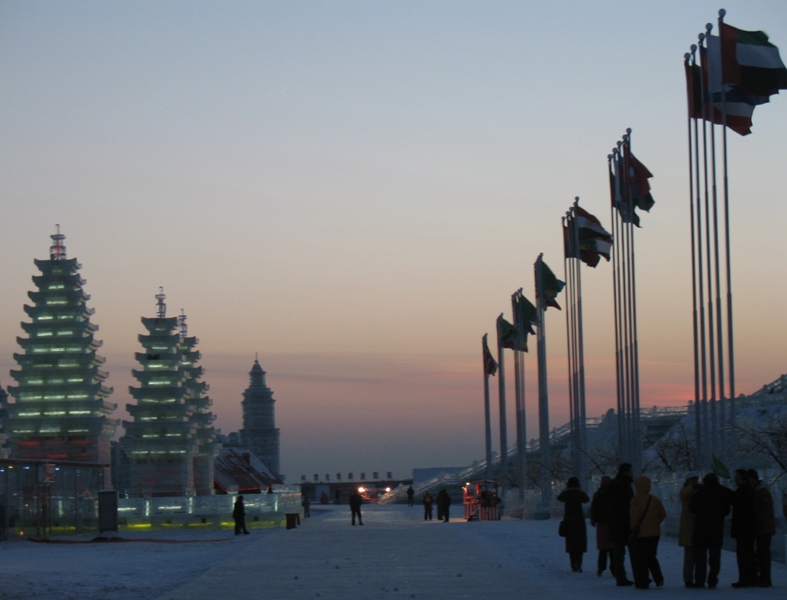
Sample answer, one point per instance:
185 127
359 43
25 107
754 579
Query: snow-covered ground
394 555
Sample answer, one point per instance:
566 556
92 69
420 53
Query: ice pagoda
61 411
259 433
170 440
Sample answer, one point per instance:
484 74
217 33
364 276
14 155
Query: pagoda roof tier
164 358
189 342
73 342
80 312
38 407
90 372
157 395
64 388
72 279
157 324
64 266
194 372
69 363
196 388
63 426
165 378
55 298
166 412
160 429
203 420
55 327
165 343
159 446
201 402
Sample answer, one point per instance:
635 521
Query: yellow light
361 489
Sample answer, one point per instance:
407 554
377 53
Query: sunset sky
353 190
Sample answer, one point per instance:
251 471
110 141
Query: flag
589 226
551 286
639 185
750 63
617 191
508 335
719 468
490 364
594 240
525 316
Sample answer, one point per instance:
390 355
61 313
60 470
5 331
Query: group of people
443 502
631 518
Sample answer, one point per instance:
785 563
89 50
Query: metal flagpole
543 399
487 413
520 420
731 448
501 382
690 101
568 251
580 361
616 234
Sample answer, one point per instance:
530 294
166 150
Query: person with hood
710 504
574 522
686 528
598 519
618 504
428 502
239 516
765 528
645 517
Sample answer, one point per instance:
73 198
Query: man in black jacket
744 530
618 501
710 504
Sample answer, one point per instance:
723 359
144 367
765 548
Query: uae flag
750 63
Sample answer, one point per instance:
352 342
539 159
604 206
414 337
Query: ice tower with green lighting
61 409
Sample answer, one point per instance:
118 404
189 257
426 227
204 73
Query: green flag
719 469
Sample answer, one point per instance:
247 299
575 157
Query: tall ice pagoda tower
259 433
61 411
170 432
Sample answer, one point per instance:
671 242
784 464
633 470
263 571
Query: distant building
239 471
61 409
259 433
170 442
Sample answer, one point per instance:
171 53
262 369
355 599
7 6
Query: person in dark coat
355 506
574 522
410 495
598 519
428 502
710 504
619 495
743 529
443 506
765 528
239 516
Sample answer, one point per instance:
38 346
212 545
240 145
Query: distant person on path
305 503
743 528
574 522
239 516
428 501
618 504
410 495
598 519
686 528
647 513
710 504
765 528
355 506
443 506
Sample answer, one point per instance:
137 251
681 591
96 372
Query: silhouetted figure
743 529
574 522
764 529
686 528
305 503
598 519
443 506
710 504
618 504
646 514
239 516
410 495
355 506
428 502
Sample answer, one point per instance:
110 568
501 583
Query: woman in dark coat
574 522
598 519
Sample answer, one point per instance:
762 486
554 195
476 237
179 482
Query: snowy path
394 555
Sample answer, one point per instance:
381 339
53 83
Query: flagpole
690 101
543 398
487 412
520 412
612 161
501 382
626 309
568 250
731 450
581 361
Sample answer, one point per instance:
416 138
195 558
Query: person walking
239 516
743 528
765 528
686 528
410 495
710 504
598 519
646 514
618 505
443 506
574 522
428 502
356 500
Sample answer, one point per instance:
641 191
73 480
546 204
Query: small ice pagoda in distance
170 442
61 410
